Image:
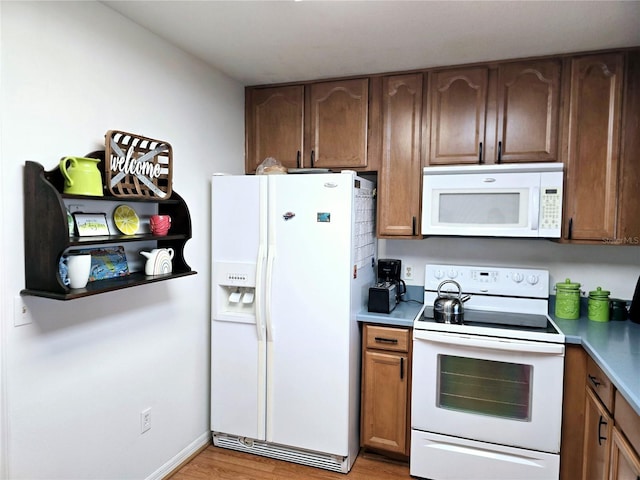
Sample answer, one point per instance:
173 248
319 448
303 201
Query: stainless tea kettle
448 308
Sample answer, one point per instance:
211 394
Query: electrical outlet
408 272
145 420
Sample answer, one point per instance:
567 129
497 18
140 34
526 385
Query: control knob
517 277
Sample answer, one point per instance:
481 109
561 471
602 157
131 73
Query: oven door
502 391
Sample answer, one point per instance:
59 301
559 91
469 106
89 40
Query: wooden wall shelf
46 237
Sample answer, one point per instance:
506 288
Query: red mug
160 224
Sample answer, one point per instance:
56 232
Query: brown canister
568 300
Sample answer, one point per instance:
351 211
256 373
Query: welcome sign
137 166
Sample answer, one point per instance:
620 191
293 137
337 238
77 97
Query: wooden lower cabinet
597 438
386 374
573 412
625 463
600 430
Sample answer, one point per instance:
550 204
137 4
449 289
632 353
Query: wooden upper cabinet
528 108
274 125
458 112
337 124
400 177
593 147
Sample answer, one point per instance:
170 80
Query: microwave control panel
551 208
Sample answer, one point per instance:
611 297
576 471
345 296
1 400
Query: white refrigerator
292 262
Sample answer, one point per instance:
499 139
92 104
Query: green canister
568 300
599 305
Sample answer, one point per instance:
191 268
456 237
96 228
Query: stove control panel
503 281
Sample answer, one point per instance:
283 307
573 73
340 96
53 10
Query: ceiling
264 42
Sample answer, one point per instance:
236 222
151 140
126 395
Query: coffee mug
78 270
160 224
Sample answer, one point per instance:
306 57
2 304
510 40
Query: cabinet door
338 114
625 463
597 435
594 140
400 179
274 125
458 111
384 402
528 99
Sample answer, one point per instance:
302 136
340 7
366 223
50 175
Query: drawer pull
386 340
600 437
594 380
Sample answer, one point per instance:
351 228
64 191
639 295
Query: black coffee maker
389 289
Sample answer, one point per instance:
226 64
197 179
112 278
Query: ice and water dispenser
235 291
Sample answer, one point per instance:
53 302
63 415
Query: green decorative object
599 305
81 176
568 300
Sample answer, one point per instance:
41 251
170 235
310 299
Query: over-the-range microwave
505 200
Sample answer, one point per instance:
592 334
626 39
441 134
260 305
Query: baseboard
169 468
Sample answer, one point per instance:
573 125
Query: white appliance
292 262
487 394
506 200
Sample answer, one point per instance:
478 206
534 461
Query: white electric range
487 393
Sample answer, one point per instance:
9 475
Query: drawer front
387 338
600 384
628 421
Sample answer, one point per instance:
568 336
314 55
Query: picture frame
91 224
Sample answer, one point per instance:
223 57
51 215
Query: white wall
615 268
78 376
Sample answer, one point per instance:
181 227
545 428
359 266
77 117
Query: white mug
78 269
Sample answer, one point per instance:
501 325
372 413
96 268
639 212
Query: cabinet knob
313 157
298 159
480 153
499 152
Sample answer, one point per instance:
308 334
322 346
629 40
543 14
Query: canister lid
567 285
599 293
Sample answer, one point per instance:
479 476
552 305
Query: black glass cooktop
508 320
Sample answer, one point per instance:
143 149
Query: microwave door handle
535 208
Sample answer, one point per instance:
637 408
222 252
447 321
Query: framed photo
91 224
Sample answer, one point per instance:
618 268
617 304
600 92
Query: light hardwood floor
215 463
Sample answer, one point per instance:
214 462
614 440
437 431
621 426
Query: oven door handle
489 343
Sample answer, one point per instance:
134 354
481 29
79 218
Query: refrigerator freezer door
238 337
308 303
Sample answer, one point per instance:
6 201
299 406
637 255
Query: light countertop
613 345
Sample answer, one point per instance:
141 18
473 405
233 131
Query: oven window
485 387
480 208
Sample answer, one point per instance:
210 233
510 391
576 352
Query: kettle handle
450 281
63 169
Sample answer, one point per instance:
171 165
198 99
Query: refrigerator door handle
268 287
260 321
